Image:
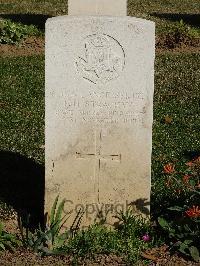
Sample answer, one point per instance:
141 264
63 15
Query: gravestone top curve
66 18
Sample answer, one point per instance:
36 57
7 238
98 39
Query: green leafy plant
48 240
179 34
183 29
51 239
137 234
182 221
129 221
13 33
8 241
184 234
132 235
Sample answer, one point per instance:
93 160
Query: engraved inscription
105 107
134 29
103 59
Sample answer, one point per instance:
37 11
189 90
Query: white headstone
99 113
97 7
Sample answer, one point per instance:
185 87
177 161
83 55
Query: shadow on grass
142 205
190 155
22 186
191 19
28 19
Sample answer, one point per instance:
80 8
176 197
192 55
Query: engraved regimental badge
103 59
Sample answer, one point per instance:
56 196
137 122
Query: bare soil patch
176 44
178 50
23 257
30 46
36 46
161 256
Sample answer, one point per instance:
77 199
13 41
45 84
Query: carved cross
98 157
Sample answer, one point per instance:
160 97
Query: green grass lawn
22 106
177 95
163 12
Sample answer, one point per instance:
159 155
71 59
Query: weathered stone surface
97 7
99 113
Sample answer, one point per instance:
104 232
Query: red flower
190 164
197 160
193 162
178 191
186 178
169 168
193 212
